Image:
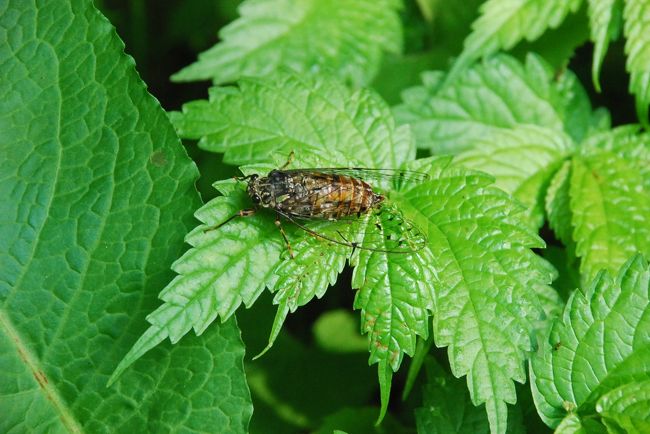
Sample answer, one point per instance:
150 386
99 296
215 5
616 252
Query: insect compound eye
255 197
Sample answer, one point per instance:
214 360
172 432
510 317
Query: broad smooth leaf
498 93
97 195
637 48
504 23
345 37
601 342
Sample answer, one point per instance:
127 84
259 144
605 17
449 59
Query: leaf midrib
51 393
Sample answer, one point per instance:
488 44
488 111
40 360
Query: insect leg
289 161
278 223
242 213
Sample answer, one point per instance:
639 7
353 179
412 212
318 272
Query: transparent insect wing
382 231
386 177
391 232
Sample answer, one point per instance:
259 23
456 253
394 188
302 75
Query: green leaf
319 117
573 424
504 23
497 94
484 309
346 37
610 181
627 408
601 342
224 268
558 204
235 262
446 406
97 195
523 160
637 48
605 18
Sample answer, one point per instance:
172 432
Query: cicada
337 195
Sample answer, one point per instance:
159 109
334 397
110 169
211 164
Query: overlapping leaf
97 194
610 200
504 23
262 120
523 160
346 37
626 408
446 405
484 308
498 93
605 18
637 47
601 343
476 232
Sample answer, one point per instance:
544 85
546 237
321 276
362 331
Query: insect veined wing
396 177
388 230
383 231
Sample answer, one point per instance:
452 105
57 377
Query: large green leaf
610 182
637 47
97 195
627 408
504 23
346 37
601 342
496 94
485 304
523 159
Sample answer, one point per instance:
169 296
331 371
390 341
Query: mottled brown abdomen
310 194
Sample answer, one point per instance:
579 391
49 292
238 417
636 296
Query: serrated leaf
522 159
319 117
484 309
558 204
497 94
600 343
224 268
610 183
637 48
504 23
346 37
97 193
605 19
235 262
627 408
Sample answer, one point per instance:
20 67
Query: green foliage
395 292
498 93
345 37
446 405
602 339
605 17
504 23
637 48
97 196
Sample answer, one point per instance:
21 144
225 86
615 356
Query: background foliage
537 148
